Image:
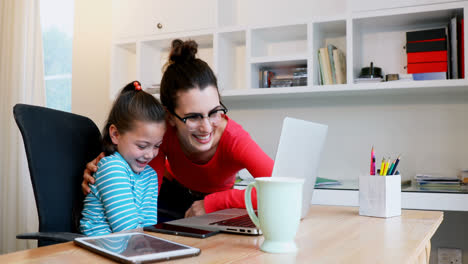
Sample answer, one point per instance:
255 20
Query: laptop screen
298 155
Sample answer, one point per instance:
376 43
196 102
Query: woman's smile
203 139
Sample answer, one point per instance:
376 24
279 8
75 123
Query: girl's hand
197 208
88 178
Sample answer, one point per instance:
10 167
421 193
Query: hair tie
137 85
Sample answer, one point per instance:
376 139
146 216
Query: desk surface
329 234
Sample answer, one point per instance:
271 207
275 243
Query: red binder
429 56
427 67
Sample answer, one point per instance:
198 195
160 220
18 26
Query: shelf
388 33
231 59
238 49
282 40
324 33
454 87
287 60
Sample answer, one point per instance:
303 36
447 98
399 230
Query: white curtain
21 81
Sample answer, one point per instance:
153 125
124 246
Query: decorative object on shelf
464 176
392 77
370 74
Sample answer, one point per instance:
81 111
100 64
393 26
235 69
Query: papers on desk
326 182
318 183
430 180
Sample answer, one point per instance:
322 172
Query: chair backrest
58 145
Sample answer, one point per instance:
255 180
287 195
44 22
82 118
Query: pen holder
380 196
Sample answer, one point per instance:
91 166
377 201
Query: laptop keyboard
240 221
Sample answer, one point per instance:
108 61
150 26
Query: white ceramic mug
279 202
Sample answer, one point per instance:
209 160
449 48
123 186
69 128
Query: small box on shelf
380 196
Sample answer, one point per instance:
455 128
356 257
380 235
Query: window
57 36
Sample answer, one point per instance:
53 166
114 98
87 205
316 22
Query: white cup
279 202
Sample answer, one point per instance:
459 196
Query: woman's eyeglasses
194 121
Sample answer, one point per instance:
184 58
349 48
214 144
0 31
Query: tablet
136 247
180 230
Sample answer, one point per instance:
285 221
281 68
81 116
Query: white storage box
380 196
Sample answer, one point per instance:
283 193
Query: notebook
298 155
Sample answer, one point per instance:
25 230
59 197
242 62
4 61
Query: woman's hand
197 208
88 178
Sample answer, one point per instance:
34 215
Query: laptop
298 155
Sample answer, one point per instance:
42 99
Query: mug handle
248 203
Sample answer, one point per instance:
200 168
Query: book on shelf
326 66
340 66
332 65
428 56
420 35
453 40
320 67
330 48
438 66
424 46
429 76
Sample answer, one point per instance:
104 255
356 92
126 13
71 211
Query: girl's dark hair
184 72
133 104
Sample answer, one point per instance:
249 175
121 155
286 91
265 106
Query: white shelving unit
237 49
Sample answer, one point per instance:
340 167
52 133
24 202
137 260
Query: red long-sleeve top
236 150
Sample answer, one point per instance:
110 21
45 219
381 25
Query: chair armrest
53 236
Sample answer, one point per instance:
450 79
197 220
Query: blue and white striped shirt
120 199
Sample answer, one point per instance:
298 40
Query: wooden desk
329 234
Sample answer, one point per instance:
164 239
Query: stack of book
436 54
332 65
437 182
427 54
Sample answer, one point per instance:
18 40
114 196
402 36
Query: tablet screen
136 246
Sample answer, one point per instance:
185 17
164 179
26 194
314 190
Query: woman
202 149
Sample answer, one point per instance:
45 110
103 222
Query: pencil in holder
380 196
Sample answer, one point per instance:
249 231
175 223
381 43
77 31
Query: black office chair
58 145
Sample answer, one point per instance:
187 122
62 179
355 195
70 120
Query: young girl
124 195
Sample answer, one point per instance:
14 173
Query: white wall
429 131
91 59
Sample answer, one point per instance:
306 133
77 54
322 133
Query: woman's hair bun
183 51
